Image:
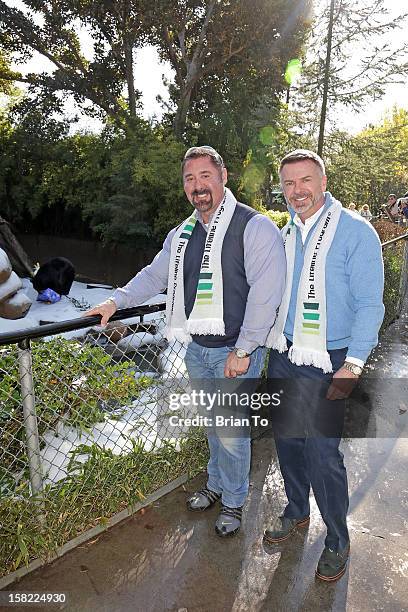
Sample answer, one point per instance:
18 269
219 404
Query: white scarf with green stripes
309 335
207 316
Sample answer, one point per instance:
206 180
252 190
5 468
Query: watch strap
353 368
240 353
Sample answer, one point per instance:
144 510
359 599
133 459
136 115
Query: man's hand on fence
106 310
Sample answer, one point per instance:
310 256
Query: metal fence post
403 278
30 416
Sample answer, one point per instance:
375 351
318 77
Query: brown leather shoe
332 564
282 528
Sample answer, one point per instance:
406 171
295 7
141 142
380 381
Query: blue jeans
230 456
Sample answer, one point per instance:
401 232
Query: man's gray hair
301 155
203 151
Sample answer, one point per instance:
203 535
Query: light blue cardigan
354 285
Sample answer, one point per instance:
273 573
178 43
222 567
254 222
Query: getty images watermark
219 400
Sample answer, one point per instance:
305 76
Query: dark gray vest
235 284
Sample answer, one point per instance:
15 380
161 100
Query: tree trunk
19 259
326 82
130 79
194 72
180 120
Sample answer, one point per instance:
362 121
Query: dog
57 273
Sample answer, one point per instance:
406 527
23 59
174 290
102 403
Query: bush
388 230
278 217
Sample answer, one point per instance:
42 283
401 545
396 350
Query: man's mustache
202 192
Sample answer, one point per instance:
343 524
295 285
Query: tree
119 187
367 167
28 139
219 47
326 80
143 196
51 28
211 44
353 80
274 132
6 82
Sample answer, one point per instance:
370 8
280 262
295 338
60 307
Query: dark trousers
313 461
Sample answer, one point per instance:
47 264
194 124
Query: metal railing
395 240
83 427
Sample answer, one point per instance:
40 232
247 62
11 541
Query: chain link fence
83 426
395 253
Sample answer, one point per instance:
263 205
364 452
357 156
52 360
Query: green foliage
74 382
143 196
6 81
272 131
218 49
78 385
29 140
123 185
51 28
279 217
123 189
226 56
367 167
92 492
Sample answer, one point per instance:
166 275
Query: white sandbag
10 286
16 306
136 340
5 266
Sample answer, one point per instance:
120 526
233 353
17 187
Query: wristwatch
353 368
240 353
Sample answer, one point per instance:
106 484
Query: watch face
355 369
241 353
